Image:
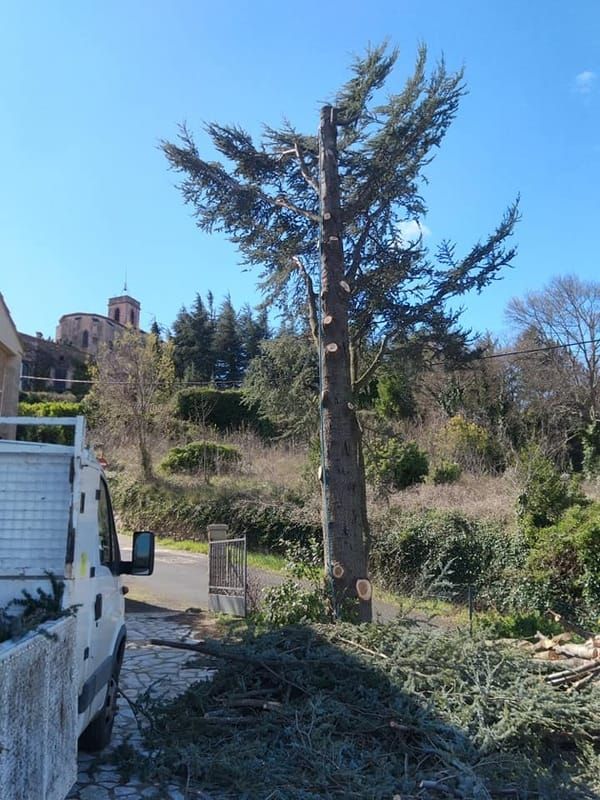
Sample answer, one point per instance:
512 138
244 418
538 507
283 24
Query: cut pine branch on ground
332 711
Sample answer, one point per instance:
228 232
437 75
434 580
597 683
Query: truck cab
56 518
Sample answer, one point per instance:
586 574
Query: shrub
393 464
395 398
546 493
223 409
53 408
470 445
517 625
201 457
446 472
590 438
466 551
564 564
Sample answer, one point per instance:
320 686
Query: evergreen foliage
267 204
378 712
392 464
407 546
546 492
216 347
282 382
223 409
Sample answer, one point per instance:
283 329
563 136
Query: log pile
578 663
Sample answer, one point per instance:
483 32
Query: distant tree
567 312
253 329
283 381
193 332
133 381
227 345
351 188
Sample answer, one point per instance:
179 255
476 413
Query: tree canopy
265 198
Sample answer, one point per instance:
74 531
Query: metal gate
227 576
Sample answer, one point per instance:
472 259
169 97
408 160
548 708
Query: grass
269 562
426 606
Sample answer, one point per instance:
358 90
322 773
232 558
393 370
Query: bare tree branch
362 380
313 317
304 168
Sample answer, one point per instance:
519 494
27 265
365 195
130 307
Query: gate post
227 571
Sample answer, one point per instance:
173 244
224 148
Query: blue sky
87 89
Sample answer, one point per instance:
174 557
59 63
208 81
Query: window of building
85 339
117 314
132 317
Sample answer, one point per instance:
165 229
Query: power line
544 349
236 384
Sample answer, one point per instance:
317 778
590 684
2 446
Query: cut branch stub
364 589
320 472
324 398
345 286
327 215
332 348
327 320
338 571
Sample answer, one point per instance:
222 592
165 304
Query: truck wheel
97 734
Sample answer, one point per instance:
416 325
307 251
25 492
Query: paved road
180 581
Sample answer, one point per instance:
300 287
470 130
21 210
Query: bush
564 565
393 464
590 438
201 457
465 551
471 446
223 409
516 625
546 493
169 511
446 472
53 408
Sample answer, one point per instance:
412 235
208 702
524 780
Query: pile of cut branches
376 711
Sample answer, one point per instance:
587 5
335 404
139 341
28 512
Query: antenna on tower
125 283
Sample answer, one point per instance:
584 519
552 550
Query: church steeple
124 309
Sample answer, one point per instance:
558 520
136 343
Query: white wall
38 714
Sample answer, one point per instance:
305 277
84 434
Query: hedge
180 514
223 409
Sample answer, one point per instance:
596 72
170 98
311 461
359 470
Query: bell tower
125 310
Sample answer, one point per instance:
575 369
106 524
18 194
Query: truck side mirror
142 555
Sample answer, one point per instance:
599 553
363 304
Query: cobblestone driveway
144 666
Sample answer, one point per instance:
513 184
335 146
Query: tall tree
193 333
253 329
366 287
567 312
227 346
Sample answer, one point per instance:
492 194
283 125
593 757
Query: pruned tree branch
368 372
304 168
311 297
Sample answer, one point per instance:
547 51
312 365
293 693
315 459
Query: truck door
107 599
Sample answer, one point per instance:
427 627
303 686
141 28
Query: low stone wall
38 714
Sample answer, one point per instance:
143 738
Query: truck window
109 548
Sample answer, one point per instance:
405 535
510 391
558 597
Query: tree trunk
343 483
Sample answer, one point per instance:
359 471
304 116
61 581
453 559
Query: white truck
56 518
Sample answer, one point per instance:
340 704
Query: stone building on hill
61 364
87 331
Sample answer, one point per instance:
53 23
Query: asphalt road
180 581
